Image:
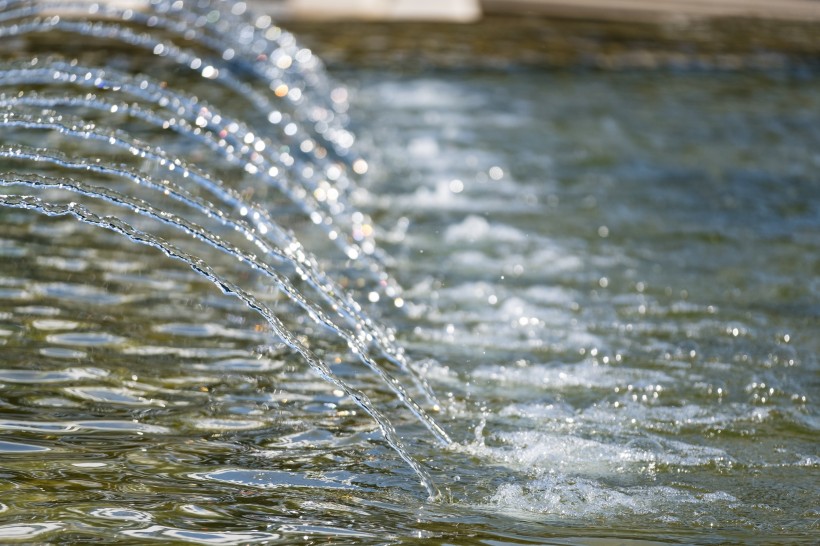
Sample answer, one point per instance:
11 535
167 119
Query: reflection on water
609 289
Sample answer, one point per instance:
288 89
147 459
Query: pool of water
611 284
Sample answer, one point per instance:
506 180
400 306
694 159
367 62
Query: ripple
14 447
161 532
182 352
324 530
122 396
85 339
27 531
245 365
38 310
37 376
15 294
10 249
122 514
199 511
204 330
53 402
62 352
79 293
135 279
64 427
54 324
587 374
268 479
65 264
228 424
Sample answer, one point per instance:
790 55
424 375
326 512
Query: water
586 301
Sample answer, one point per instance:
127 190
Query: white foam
587 374
577 498
476 228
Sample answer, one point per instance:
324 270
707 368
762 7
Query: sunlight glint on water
608 302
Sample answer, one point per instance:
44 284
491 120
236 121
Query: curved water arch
200 267
237 144
265 227
193 118
356 345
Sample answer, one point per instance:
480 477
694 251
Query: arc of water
117 138
306 265
262 37
269 51
236 142
183 21
367 251
205 114
214 68
259 34
141 207
262 48
226 286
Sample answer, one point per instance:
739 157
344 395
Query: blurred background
599 34
604 214
470 10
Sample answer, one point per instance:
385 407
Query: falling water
568 318
302 147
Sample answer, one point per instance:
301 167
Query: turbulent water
241 302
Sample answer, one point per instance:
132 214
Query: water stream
241 302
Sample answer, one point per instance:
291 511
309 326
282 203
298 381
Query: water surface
610 284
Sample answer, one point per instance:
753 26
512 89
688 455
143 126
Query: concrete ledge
659 10
463 11
471 10
467 11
